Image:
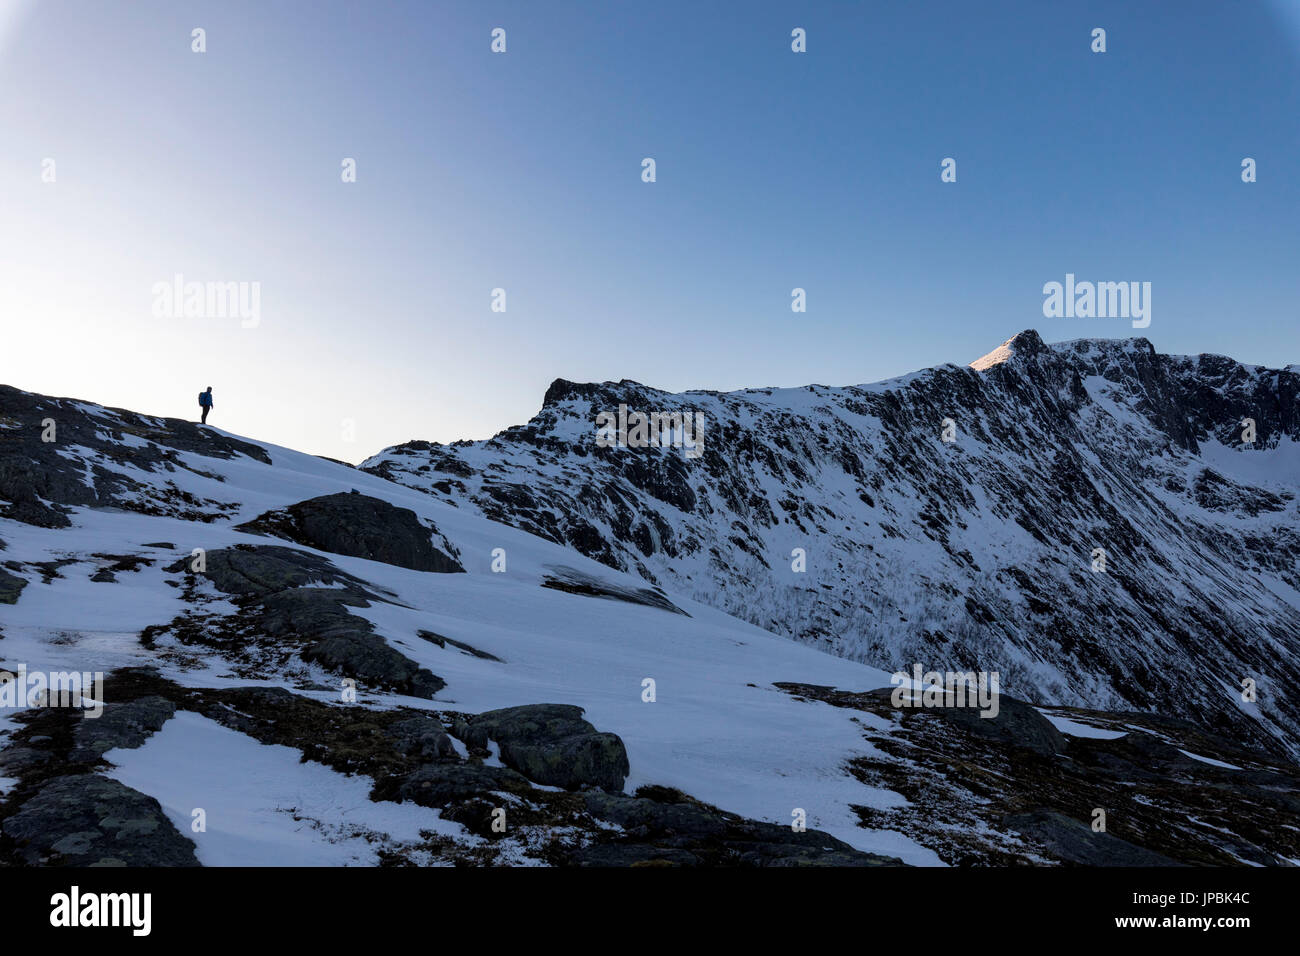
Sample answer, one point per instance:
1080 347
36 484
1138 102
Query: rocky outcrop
54 454
125 725
369 658
664 827
442 784
358 526
1016 724
88 820
281 607
411 758
269 569
550 744
11 586
422 738
576 582
1127 789
464 648
1070 841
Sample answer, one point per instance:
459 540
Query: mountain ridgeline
1100 524
392 649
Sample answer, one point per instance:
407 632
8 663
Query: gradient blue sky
522 171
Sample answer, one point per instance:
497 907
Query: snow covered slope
153 493
978 553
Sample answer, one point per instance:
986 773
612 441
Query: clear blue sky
523 171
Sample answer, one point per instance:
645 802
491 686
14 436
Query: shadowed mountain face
1107 527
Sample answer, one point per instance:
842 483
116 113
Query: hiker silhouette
205 403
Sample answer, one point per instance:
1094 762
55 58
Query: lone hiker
205 403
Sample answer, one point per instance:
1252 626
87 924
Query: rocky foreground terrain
532 650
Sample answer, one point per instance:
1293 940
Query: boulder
640 817
369 657
551 744
1016 723
423 738
469 649
358 526
440 784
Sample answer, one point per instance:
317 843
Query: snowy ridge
720 731
586 591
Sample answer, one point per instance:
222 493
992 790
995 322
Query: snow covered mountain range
976 553
537 650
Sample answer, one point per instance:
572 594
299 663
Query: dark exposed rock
118 563
280 605
422 738
125 562
977 795
640 816
358 526
469 649
632 854
1214 492
127 724
350 738
15 761
439 784
11 586
370 658
661 826
267 569
1074 842
52 569
551 744
88 820
785 854
409 756
41 480
1016 722
575 582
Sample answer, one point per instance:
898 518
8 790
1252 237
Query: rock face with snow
285 614
57 453
552 744
1095 529
274 639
